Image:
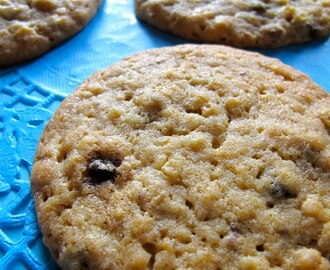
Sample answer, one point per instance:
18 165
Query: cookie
30 28
188 157
259 23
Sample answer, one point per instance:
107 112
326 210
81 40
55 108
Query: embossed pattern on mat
25 109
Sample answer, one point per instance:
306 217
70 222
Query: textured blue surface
31 92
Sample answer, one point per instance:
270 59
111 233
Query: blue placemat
31 92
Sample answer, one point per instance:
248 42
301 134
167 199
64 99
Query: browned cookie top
29 28
188 157
240 23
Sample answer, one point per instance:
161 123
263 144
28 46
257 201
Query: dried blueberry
312 31
101 169
279 191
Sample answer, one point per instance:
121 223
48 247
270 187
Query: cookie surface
30 28
188 157
239 23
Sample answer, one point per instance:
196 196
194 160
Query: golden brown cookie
29 28
188 157
240 23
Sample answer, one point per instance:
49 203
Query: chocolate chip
258 8
260 248
313 32
101 169
234 227
279 191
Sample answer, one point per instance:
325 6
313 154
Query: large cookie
188 157
240 23
29 28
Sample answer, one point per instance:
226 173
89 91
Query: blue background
31 92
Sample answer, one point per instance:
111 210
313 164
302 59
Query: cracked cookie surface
188 157
29 28
239 23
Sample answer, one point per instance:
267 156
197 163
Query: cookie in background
239 23
32 27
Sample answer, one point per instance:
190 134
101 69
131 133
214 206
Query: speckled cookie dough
29 28
240 23
188 157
